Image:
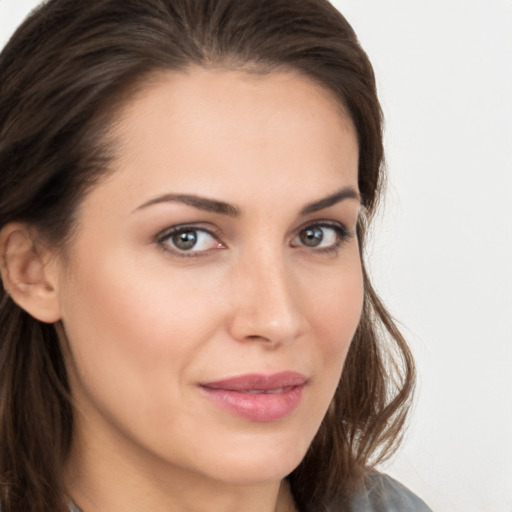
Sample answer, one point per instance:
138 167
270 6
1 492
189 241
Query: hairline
105 123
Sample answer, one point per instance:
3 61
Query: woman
186 321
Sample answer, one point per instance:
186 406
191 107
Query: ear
27 274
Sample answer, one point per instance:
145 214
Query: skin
146 323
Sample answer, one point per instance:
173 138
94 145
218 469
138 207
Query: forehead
210 129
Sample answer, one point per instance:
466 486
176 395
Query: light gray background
442 251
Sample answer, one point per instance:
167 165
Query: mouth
258 397
267 391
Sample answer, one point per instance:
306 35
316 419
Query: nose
266 305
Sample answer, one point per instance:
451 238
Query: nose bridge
266 306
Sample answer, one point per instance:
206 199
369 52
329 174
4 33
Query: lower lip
261 407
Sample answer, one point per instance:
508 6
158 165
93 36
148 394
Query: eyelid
343 234
328 223
165 234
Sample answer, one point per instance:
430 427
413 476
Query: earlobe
26 275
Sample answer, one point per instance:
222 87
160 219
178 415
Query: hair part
64 77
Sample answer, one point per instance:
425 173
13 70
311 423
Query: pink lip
258 397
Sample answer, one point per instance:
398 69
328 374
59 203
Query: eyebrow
201 203
222 208
341 195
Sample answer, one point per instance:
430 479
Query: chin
255 472
258 463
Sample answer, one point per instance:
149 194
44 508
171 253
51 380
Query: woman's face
214 283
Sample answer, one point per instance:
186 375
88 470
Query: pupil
312 237
185 240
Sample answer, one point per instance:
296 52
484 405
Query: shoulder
382 493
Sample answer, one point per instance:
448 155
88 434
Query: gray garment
382 494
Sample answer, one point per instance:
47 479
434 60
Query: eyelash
341 232
185 228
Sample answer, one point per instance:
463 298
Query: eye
321 236
188 239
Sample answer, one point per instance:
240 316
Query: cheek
337 319
130 328
335 306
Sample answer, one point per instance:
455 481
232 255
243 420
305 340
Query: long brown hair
63 77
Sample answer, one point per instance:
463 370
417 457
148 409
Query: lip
258 397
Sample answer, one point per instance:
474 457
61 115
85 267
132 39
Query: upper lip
262 382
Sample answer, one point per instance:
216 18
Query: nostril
256 337
255 325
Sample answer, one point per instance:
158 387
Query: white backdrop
442 252
442 256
